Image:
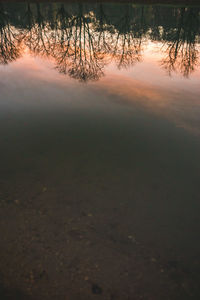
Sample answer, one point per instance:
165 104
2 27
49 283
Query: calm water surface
100 151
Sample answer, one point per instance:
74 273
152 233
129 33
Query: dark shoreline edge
161 2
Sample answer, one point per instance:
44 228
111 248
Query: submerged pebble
96 289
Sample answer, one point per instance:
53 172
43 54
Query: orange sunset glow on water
145 81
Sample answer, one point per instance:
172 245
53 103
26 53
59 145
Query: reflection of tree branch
78 55
180 48
10 49
127 49
37 37
181 57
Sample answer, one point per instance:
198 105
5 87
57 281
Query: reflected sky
97 55
145 56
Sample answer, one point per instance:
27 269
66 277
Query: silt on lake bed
100 151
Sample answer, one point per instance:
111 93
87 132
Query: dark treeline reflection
83 38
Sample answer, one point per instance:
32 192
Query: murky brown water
100 151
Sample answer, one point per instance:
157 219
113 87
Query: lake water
100 151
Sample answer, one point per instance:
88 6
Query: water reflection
10 46
99 182
82 39
181 52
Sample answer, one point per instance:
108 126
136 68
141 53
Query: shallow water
100 151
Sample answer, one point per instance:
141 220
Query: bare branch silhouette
181 49
10 42
82 41
78 54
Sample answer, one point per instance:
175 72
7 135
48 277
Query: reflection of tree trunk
39 16
102 41
177 38
29 16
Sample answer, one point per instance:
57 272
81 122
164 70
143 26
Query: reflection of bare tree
82 41
104 32
127 50
61 40
128 43
36 36
10 42
71 43
181 57
181 52
77 54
